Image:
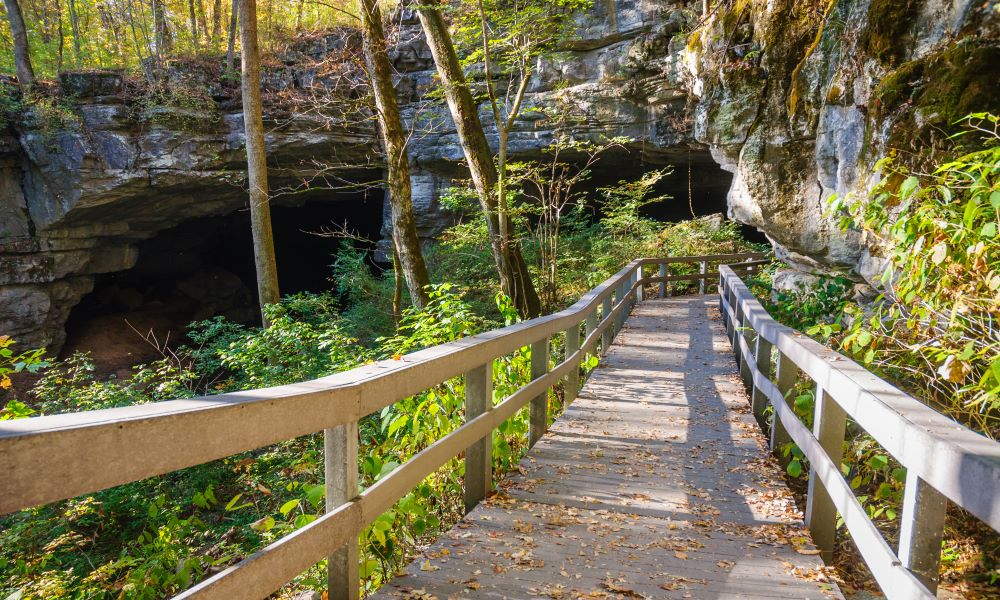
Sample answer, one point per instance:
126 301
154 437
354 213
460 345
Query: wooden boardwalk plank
655 483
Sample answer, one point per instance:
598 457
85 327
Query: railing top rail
83 452
961 464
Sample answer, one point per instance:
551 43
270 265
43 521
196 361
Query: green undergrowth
929 328
156 537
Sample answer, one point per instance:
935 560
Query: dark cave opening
696 185
205 267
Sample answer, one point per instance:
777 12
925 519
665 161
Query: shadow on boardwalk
655 483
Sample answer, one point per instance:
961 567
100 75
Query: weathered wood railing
944 461
51 458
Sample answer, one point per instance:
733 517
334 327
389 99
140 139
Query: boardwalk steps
654 483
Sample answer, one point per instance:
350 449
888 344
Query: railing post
722 301
702 283
593 318
620 300
478 456
539 411
736 333
921 530
663 284
638 290
786 374
730 325
609 333
340 446
573 377
758 400
829 427
746 371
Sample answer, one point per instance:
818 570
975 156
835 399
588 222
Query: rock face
79 188
623 75
800 100
796 99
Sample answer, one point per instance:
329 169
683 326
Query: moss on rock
925 98
887 35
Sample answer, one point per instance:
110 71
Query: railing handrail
50 458
957 463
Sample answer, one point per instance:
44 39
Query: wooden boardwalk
655 483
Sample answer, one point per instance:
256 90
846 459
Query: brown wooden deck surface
655 483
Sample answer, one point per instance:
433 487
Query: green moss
952 83
925 98
794 91
889 23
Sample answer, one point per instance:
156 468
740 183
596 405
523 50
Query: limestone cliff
800 100
77 194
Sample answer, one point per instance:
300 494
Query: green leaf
231 505
908 187
288 507
368 568
899 474
878 462
387 468
262 525
794 468
995 200
315 494
989 230
303 520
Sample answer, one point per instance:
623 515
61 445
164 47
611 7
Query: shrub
933 328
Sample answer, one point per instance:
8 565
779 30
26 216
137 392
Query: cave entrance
696 185
205 267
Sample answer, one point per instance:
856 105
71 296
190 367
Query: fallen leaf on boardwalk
725 564
522 526
680 583
420 594
807 551
681 555
552 591
427 566
622 591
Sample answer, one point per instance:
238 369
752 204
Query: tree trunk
231 48
74 22
193 18
397 288
62 38
260 208
404 229
22 58
164 44
216 21
203 32
515 280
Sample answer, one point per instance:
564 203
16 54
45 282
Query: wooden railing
944 461
52 458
